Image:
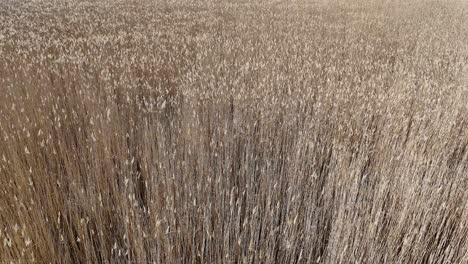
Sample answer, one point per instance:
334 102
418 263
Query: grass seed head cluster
222 132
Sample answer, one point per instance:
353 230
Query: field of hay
233 131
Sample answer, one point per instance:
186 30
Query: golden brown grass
221 132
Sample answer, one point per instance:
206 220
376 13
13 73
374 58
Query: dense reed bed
221 132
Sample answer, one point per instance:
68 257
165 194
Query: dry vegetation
214 132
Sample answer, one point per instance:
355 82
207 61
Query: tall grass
214 132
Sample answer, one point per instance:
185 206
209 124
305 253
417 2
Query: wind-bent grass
233 133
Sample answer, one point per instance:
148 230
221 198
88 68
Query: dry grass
214 132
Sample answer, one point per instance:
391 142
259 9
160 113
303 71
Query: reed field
233 131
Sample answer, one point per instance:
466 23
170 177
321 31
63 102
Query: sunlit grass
255 132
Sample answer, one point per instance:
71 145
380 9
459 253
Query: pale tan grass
220 132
